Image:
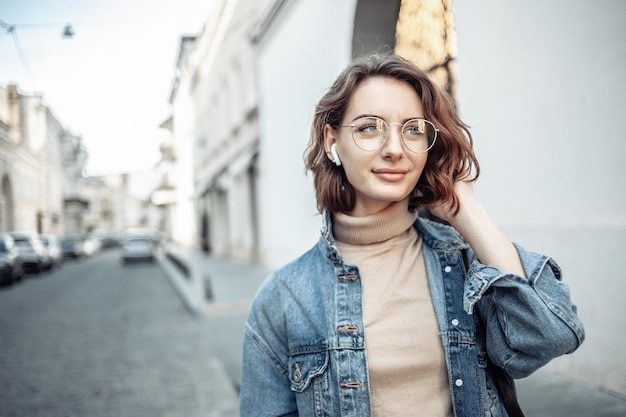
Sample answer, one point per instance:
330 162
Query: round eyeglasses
370 133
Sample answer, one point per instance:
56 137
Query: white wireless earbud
333 152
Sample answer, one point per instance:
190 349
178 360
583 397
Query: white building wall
542 86
298 58
183 216
117 183
28 190
53 219
240 219
30 167
100 196
219 222
226 131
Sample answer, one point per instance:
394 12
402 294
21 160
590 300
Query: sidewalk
220 291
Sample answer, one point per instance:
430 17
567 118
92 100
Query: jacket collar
436 235
439 236
327 243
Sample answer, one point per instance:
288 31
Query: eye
369 126
414 128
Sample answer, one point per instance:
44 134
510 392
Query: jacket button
447 268
458 382
455 322
348 329
297 375
349 277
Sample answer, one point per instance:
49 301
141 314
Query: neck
378 227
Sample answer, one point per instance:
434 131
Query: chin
393 196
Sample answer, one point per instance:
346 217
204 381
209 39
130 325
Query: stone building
123 201
215 110
74 202
175 195
42 169
31 164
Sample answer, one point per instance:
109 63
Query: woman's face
390 173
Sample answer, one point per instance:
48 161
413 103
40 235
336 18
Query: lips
390 175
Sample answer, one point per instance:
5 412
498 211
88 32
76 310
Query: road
96 338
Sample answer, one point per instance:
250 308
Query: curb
189 288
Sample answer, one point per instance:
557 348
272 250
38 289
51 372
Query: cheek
355 166
353 174
419 162
419 167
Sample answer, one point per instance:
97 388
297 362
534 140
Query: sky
110 82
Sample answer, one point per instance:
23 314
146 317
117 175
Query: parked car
137 249
33 253
73 247
53 246
109 241
156 236
91 245
11 267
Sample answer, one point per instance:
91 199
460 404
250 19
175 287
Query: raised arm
527 311
472 221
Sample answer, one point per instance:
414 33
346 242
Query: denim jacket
304 344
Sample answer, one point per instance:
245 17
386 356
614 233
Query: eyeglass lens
370 133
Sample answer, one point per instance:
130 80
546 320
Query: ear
330 138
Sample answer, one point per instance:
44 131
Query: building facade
75 205
175 195
31 165
42 172
215 109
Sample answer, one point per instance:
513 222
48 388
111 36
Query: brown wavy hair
451 158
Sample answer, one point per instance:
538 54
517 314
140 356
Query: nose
392 148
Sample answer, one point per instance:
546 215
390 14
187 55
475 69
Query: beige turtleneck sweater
405 358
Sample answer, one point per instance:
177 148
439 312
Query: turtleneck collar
374 228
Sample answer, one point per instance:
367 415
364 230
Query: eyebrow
382 118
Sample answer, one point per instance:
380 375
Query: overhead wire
68 32
20 52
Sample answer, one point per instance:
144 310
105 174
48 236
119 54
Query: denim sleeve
527 322
265 387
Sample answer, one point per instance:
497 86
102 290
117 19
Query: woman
383 317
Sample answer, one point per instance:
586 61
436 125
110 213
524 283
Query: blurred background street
97 338
129 123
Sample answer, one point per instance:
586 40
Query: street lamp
68 31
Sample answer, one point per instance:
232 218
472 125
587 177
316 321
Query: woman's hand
465 193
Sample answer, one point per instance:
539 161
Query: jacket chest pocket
304 368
